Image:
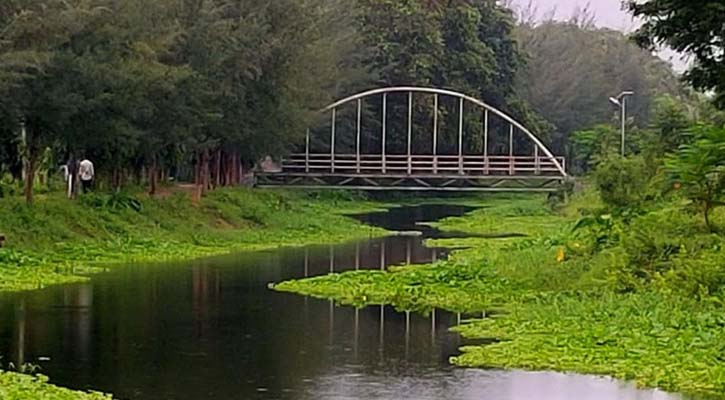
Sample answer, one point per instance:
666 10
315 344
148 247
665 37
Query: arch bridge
507 156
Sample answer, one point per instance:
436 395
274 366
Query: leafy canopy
691 27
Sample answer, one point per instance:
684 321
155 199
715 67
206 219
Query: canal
211 329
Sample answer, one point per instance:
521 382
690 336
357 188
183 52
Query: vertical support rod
511 150
382 327
332 259
407 334
537 161
486 163
408 253
382 256
433 326
332 320
385 127
410 133
332 140
356 332
307 152
460 137
357 256
435 134
624 124
307 263
357 142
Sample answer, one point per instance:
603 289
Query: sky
607 13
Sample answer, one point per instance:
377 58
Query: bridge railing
397 165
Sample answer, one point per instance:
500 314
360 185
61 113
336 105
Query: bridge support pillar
410 133
357 139
512 161
460 137
385 127
485 142
435 134
307 152
332 140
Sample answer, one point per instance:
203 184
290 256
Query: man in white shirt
86 174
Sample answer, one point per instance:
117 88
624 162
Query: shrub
698 168
623 182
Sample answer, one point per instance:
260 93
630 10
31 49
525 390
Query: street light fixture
621 102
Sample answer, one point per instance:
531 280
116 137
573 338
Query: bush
702 276
623 183
115 201
8 187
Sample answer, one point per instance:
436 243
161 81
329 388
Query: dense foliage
699 169
691 27
574 67
140 87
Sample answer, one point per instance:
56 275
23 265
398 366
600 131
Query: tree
690 27
573 68
466 46
142 87
667 130
698 168
590 146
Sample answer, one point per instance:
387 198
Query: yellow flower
560 255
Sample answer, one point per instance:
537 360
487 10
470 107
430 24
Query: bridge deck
416 173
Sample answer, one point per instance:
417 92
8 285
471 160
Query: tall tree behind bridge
691 27
465 46
574 67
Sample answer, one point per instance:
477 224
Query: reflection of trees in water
78 318
206 294
20 333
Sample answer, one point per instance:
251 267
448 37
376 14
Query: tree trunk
116 179
707 207
218 167
153 176
197 169
205 179
29 175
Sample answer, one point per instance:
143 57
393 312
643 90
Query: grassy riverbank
637 297
59 241
23 387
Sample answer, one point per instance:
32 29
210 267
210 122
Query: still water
211 329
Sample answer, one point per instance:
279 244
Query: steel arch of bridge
541 171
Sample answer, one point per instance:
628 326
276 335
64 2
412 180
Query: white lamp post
621 102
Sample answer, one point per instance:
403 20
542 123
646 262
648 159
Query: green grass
15 386
58 241
641 300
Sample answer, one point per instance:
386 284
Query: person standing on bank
86 174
